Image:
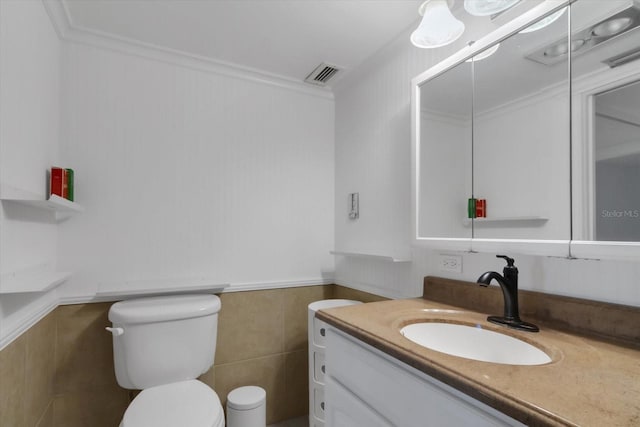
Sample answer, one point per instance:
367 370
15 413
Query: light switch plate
354 208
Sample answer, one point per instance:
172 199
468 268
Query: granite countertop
589 382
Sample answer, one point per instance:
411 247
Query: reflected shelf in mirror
520 221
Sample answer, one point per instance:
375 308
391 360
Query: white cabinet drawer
318 402
346 410
318 367
319 332
403 395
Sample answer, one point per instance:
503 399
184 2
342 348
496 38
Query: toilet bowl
160 346
185 403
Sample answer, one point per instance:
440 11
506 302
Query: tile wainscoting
60 372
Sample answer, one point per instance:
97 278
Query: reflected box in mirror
481 208
471 208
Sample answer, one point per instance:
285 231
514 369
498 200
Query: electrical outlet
451 263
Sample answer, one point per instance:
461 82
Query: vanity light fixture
488 7
438 26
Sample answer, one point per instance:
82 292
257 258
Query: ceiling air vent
322 74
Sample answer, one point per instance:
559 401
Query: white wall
373 150
185 170
373 156
188 174
29 131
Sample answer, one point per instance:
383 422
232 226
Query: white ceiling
288 38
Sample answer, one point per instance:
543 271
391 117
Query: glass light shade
484 54
543 22
438 27
487 7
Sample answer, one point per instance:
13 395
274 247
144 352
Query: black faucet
509 284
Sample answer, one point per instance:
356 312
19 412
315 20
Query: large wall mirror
606 136
542 120
495 125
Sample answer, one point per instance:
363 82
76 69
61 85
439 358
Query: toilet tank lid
159 309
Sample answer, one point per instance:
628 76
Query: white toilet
161 345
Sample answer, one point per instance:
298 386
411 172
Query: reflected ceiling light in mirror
604 31
488 7
438 26
544 22
562 48
484 54
611 27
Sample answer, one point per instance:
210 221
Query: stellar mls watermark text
631 213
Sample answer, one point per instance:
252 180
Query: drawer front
401 394
346 410
319 332
318 403
318 367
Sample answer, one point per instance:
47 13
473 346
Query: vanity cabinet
367 388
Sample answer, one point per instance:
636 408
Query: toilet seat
186 403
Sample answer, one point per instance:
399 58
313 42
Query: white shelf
59 205
134 288
369 256
506 220
31 281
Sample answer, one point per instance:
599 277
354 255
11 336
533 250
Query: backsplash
60 372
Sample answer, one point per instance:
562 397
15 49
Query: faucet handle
509 260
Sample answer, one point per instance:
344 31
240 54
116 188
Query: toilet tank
160 340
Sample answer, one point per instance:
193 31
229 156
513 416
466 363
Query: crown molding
70 32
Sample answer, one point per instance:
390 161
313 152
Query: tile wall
60 372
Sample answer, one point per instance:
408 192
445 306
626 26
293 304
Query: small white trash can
247 407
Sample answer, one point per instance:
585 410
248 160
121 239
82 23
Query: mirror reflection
521 149
617 164
606 76
496 128
444 176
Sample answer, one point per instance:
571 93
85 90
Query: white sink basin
473 342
